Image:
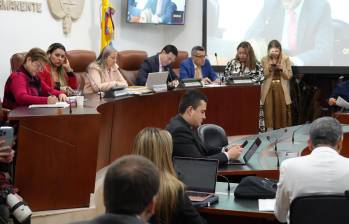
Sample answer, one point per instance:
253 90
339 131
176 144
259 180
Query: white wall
21 31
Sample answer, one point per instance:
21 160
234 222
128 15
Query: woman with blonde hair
173 205
275 91
104 74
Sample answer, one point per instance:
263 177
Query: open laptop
157 81
199 176
249 153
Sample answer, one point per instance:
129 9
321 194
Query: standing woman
244 64
104 74
275 92
57 73
173 205
24 86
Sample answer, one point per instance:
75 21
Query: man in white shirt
323 171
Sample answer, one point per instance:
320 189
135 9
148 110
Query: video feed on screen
169 12
311 32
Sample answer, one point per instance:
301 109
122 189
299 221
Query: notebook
157 81
249 153
198 175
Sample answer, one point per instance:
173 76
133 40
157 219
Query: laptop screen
156 78
253 148
197 174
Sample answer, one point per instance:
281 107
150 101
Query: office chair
130 62
213 135
320 209
79 61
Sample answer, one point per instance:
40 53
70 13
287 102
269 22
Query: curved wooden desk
59 153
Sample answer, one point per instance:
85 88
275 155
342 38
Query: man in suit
342 90
304 28
159 63
162 10
323 171
186 143
197 66
130 189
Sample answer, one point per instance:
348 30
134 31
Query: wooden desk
59 153
232 210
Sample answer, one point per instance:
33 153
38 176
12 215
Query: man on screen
161 10
304 27
324 171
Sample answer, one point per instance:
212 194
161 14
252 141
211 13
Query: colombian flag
107 24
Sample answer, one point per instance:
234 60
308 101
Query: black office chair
213 135
320 209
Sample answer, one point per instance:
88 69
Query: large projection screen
320 29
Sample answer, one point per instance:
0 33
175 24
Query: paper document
266 205
342 103
56 105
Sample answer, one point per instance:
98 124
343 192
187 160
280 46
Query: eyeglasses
200 56
38 65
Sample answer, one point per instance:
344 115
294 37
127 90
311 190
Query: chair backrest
130 62
182 55
213 135
17 60
320 209
79 61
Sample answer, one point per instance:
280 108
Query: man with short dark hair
130 189
323 171
197 66
159 63
186 143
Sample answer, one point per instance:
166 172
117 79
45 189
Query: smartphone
244 144
6 133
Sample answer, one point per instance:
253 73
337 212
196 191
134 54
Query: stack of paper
56 105
266 205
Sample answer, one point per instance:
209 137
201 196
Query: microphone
297 129
226 179
216 56
276 147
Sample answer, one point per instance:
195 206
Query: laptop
198 175
249 153
157 81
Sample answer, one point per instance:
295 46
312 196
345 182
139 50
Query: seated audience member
186 143
342 90
130 188
324 171
173 205
57 73
244 64
24 87
197 66
104 74
6 187
159 63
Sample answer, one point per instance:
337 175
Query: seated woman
103 74
57 73
24 86
173 205
244 64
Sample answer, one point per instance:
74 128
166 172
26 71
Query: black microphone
275 150
297 129
226 179
216 56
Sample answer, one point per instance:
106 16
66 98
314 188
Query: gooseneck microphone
297 129
216 56
227 180
275 150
